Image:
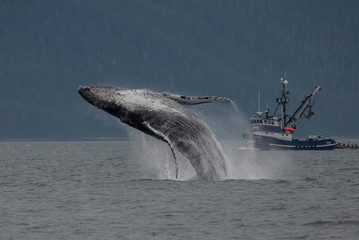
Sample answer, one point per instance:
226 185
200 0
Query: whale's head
99 96
122 102
107 98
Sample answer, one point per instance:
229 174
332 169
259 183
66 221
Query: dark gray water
127 190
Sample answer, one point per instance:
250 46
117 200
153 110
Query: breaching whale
162 116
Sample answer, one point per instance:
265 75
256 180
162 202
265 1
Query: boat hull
269 143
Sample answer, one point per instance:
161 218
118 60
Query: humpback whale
162 116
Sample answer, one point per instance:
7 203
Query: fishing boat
277 131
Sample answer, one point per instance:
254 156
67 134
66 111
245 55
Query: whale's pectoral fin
165 139
174 156
187 100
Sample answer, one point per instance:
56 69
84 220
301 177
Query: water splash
243 160
155 159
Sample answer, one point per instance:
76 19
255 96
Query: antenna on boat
259 102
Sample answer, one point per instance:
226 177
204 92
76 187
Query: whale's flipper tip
227 100
190 100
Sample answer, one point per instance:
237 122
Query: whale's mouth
89 93
84 91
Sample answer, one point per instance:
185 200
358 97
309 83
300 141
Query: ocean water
127 190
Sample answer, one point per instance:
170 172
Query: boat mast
305 104
283 101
